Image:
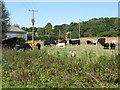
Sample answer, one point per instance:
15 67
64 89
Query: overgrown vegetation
93 67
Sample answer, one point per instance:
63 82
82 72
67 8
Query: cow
53 42
106 45
11 42
47 43
91 42
101 41
94 42
72 53
60 45
38 45
113 41
74 42
24 47
112 45
62 41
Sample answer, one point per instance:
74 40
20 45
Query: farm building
16 32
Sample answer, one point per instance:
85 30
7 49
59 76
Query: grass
52 67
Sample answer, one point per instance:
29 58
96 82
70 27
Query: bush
40 69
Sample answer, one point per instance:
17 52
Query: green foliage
96 27
41 31
4 19
29 36
48 29
111 33
40 69
107 27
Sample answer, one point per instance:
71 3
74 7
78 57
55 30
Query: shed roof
16 29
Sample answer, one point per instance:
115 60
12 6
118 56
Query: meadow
52 67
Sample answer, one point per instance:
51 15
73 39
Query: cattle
47 43
24 47
74 42
53 42
112 45
10 43
62 41
72 53
106 45
113 41
60 45
94 42
91 42
101 41
38 45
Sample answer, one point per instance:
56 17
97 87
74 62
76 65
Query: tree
41 31
48 29
57 31
4 19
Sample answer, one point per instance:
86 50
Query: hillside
95 27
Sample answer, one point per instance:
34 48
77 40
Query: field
52 67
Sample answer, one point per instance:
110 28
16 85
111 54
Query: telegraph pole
59 33
70 35
33 21
79 28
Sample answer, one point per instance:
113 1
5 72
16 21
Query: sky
58 13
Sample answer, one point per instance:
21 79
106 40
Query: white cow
61 45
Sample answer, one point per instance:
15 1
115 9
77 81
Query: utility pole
59 33
70 35
33 21
79 28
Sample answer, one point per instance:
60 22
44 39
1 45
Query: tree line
95 27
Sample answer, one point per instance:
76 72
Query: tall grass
51 67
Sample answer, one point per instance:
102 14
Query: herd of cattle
101 41
13 43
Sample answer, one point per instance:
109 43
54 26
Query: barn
16 32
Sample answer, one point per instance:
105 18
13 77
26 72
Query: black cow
38 45
101 41
63 41
106 45
112 45
53 42
89 42
24 46
47 43
74 42
10 43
